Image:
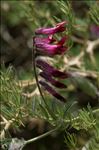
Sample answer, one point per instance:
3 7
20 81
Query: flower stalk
37 82
41 136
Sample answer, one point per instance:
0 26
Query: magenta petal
52 91
60 27
52 81
39 40
51 70
49 49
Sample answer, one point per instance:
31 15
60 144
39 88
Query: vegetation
31 118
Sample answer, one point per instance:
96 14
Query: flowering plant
44 46
22 108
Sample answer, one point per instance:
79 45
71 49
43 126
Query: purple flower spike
51 70
52 81
52 91
60 27
44 46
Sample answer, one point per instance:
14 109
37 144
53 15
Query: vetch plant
49 46
45 44
22 102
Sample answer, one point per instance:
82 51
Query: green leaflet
86 86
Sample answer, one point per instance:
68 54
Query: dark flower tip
51 71
52 91
52 81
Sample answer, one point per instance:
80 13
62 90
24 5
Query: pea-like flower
44 46
60 27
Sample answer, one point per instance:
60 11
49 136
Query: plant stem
41 136
37 82
36 77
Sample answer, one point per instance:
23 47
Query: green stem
41 136
36 77
37 82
